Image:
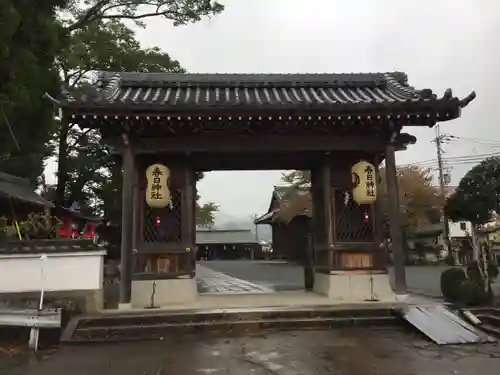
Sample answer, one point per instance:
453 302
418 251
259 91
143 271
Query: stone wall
72 302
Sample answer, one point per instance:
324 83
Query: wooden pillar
129 171
188 214
326 174
322 224
380 257
396 229
136 219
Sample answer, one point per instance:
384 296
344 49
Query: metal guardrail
34 319
31 318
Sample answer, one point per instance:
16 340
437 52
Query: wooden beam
395 226
224 143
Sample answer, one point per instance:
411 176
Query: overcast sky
439 44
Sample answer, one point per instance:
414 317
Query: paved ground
283 276
276 275
210 281
338 352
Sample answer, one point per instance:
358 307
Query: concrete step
144 332
158 323
154 317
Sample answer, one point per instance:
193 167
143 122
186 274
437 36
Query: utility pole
442 184
256 228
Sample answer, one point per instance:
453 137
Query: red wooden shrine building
178 124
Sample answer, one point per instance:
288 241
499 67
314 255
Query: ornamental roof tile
329 92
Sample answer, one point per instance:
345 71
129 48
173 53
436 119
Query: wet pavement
209 281
353 351
280 276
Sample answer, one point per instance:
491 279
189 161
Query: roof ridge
113 80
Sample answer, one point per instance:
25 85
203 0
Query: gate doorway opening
234 255
166 127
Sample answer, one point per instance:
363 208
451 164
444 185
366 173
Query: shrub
449 260
474 275
472 294
451 279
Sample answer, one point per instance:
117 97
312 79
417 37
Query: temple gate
167 127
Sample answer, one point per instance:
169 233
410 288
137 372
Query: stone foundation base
357 286
74 302
167 292
124 306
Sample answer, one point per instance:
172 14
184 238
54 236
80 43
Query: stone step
493 330
489 319
154 323
158 331
485 311
154 317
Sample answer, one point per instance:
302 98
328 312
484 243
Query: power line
464 159
474 140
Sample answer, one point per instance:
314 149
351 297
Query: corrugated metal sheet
443 326
225 236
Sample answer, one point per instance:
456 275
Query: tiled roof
20 189
224 236
267 218
282 191
282 194
326 92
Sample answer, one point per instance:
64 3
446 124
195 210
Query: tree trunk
62 164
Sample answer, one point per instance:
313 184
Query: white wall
61 272
455 230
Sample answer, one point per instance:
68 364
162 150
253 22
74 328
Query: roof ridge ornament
469 98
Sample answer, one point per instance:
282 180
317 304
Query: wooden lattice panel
350 223
163 225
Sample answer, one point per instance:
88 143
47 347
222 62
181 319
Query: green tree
205 214
477 197
81 14
421 201
298 179
88 174
30 38
102 45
